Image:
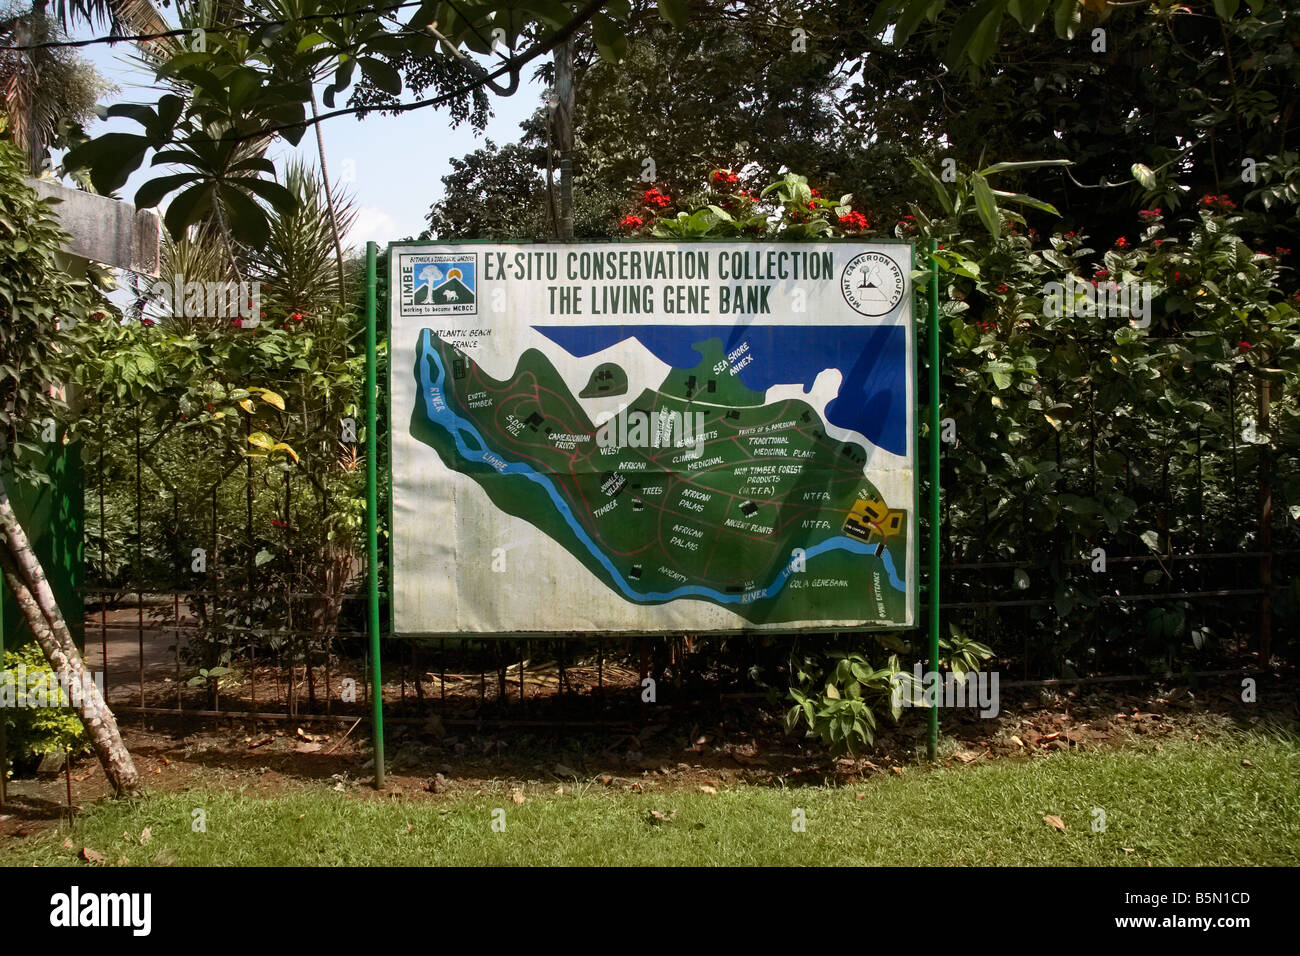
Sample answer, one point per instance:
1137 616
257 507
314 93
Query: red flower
653 197
211 408
1121 243
148 322
723 177
1221 203
1157 243
1282 251
815 194
237 323
1003 287
297 316
1101 274
1243 345
278 523
1149 213
1069 235
632 222
854 220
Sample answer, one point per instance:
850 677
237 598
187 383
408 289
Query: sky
391 165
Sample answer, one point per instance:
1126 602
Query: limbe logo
438 283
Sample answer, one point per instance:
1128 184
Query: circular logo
872 283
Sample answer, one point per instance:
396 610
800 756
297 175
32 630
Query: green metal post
932 740
372 512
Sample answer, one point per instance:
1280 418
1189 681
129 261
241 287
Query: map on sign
651 437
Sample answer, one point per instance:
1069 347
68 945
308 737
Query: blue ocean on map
871 358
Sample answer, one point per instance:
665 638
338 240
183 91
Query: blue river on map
437 409
872 359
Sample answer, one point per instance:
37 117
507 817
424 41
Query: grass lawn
1230 800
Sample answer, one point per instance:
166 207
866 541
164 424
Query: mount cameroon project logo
872 283
439 283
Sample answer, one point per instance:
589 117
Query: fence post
932 737
372 515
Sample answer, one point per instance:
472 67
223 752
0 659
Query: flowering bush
1101 397
786 209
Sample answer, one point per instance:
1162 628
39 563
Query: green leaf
610 40
1066 17
985 204
188 207
381 75
1226 9
675 12
111 159
152 192
1143 175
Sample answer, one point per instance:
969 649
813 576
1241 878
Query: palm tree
44 91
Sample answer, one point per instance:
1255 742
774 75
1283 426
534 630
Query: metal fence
210 596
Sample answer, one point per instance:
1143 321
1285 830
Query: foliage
34 731
1078 426
251 427
231 91
38 300
46 94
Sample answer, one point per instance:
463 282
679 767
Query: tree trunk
26 577
329 201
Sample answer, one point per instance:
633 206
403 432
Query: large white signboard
652 437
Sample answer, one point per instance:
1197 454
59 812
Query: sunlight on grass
1231 801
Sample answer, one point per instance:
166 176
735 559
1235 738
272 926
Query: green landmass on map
607 379
725 517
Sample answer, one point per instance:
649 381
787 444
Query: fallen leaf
707 789
1247 763
897 770
145 836
90 856
1128 849
657 817
861 796
1054 821
964 756
1017 741
517 797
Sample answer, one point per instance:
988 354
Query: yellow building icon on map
870 516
